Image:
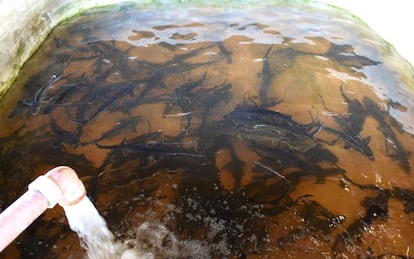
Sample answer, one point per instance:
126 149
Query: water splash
91 228
150 240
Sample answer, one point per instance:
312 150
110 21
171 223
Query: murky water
265 132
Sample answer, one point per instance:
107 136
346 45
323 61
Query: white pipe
59 185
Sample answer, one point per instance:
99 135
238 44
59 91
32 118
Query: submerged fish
39 97
355 142
155 149
270 126
396 150
266 76
108 95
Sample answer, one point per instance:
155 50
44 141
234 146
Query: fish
182 57
40 95
119 60
354 122
345 55
269 169
273 135
270 126
225 52
271 120
66 91
355 142
155 149
35 103
206 99
126 106
119 89
357 114
266 77
183 97
121 125
396 151
64 136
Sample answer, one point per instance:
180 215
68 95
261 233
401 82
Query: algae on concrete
25 24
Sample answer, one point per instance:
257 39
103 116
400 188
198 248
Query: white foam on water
150 239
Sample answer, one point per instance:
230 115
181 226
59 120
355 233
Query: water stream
84 219
236 131
152 240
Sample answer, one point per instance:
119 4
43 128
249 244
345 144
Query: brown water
259 133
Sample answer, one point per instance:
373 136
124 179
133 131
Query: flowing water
215 132
84 219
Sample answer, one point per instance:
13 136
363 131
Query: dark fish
345 55
396 105
154 149
184 102
266 76
39 98
356 61
21 108
180 59
355 142
392 144
118 59
269 119
206 99
406 196
225 52
122 126
188 87
354 122
357 115
62 98
279 157
272 134
61 43
268 125
40 95
126 106
235 166
119 89
182 96
64 136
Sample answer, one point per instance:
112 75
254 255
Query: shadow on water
242 144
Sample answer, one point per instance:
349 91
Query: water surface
239 132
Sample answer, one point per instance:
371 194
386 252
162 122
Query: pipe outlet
59 185
71 187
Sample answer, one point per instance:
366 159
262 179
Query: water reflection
242 136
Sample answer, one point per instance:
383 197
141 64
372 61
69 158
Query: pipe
59 185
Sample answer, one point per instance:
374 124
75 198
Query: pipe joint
70 185
48 188
59 185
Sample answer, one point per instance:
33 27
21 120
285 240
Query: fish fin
79 121
28 101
